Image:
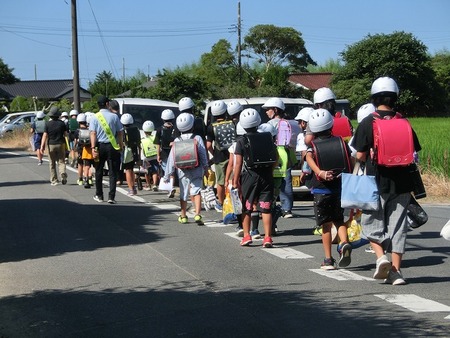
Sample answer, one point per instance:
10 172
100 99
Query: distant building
310 81
51 90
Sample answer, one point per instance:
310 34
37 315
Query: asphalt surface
73 267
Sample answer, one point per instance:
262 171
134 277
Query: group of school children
255 160
260 156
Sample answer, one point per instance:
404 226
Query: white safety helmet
218 108
323 94
148 126
89 116
384 85
185 103
64 114
234 107
73 112
81 117
239 129
267 128
40 115
304 114
249 118
365 110
274 102
320 120
167 114
185 122
126 119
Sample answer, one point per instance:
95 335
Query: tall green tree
441 65
398 55
6 74
105 84
272 45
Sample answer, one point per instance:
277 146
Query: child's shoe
328 264
199 220
247 240
267 242
183 219
345 251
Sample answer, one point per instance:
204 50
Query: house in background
51 90
310 81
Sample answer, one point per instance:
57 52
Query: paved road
72 267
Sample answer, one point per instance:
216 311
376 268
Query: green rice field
434 137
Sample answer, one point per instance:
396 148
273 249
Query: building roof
311 81
43 89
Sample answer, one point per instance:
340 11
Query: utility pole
123 71
239 41
75 70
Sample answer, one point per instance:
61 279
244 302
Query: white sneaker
383 267
395 278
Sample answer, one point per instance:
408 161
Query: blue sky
147 35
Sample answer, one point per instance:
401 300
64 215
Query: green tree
272 45
20 103
441 65
6 74
330 66
398 55
105 84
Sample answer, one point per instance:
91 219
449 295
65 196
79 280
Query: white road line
287 253
341 274
415 303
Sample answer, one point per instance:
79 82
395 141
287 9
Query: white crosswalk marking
341 275
287 253
415 303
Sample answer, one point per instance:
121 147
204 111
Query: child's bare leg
267 223
326 239
183 205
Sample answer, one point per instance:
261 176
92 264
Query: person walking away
386 228
106 134
188 156
54 136
132 141
219 137
326 153
37 130
73 127
149 152
84 151
164 137
253 175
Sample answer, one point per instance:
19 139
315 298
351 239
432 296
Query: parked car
19 121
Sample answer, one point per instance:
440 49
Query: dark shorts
128 166
327 208
257 188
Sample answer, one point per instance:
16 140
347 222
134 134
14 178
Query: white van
146 109
293 106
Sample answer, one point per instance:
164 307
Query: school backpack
73 125
259 150
331 155
148 147
185 153
342 127
393 143
224 134
84 138
39 127
167 137
287 133
132 137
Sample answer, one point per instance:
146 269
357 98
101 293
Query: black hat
102 100
54 112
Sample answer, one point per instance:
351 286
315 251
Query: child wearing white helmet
327 163
190 176
165 135
256 155
149 156
387 228
132 142
37 130
220 135
83 146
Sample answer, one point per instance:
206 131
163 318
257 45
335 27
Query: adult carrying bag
359 191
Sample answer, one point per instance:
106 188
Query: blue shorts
190 186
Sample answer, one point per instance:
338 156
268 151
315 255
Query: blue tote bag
359 191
